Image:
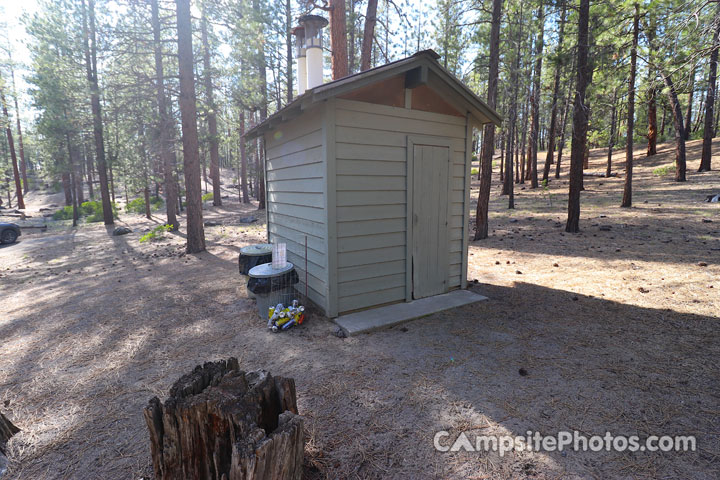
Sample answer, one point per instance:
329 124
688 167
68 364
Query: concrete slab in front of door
383 317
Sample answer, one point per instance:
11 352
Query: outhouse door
428 229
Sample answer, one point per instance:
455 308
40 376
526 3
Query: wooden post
222 423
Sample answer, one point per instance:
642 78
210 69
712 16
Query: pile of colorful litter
283 318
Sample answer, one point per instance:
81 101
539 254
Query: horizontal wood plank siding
371 198
295 172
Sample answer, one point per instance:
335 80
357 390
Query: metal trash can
253 255
272 286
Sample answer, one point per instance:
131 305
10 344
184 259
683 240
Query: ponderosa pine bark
488 145
288 50
611 140
67 187
368 35
535 106
627 191
188 113
691 97
556 92
710 101
563 125
243 159
652 90
263 112
676 110
89 38
21 145
13 157
580 119
338 39
508 186
167 155
211 113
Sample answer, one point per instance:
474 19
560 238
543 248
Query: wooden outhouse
374 171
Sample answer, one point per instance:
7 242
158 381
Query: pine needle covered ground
615 329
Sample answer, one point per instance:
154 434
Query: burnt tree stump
7 430
222 423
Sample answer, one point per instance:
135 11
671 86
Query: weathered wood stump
222 423
7 430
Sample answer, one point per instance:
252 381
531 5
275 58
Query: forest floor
615 329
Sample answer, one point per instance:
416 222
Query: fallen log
7 430
598 174
222 423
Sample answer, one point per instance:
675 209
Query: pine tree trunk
188 113
563 125
710 102
211 113
243 159
288 50
688 112
535 123
652 89
368 34
89 38
67 188
21 146
338 39
580 121
13 157
488 145
222 423
88 170
680 164
611 141
165 126
652 122
627 191
556 91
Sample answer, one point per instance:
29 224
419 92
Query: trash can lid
266 270
257 250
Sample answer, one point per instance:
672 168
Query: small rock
523 372
497 263
706 220
340 333
555 265
643 290
702 264
575 299
518 272
121 231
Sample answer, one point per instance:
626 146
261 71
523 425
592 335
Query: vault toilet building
374 169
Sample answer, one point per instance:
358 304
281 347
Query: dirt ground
615 329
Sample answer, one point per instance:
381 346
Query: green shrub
156 233
207 197
474 171
64 213
138 205
90 210
661 171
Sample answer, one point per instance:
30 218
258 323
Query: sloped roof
428 70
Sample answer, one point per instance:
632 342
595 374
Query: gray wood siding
370 150
295 173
